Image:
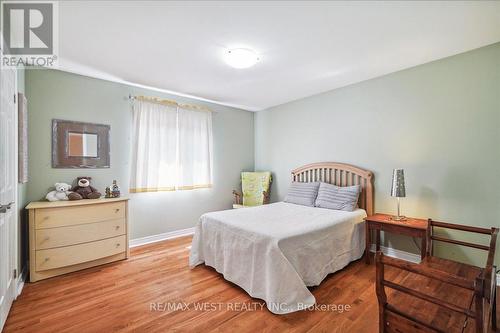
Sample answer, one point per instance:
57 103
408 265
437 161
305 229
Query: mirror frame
60 154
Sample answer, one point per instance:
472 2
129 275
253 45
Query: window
171 147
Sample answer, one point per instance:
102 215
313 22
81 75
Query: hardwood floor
124 297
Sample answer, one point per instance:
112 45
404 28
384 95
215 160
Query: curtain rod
169 102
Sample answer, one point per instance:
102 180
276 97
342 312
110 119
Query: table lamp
398 190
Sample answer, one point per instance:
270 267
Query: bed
274 252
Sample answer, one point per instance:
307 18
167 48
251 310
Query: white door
8 190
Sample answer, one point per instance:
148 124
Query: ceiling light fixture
241 58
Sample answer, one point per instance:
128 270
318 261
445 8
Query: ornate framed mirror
79 145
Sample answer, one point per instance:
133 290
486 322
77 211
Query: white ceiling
305 47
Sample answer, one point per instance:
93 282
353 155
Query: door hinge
14 98
15 273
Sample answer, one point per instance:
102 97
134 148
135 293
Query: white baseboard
20 282
408 256
161 237
403 255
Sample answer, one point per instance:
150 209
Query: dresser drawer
73 215
77 234
76 254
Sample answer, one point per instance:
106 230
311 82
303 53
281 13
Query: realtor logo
29 33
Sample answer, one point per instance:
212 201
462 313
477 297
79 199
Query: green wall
55 94
439 121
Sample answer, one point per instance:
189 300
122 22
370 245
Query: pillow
336 197
302 193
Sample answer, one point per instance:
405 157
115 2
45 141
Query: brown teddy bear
83 190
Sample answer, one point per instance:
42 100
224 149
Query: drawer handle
117 244
117 227
46 238
117 210
46 217
46 259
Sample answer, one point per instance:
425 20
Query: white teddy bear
60 193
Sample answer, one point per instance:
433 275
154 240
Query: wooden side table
382 222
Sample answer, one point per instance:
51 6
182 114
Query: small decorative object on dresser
61 192
83 190
384 222
108 194
398 190
115 190
67 236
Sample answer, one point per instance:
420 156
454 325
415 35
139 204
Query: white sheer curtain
195 149
171 147
154 147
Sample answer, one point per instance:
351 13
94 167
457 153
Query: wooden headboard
339 174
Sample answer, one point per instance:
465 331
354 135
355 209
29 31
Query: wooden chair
439 295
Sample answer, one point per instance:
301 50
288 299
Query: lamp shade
398 183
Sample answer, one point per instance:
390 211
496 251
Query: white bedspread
275 251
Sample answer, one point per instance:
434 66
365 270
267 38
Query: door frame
14 253
17 218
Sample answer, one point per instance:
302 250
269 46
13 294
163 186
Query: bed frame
339 174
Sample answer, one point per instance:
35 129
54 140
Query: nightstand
382 222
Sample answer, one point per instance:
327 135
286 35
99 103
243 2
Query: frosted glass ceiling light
241 58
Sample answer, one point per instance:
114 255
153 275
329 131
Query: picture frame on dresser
67 236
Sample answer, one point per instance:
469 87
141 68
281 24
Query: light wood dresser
66 236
